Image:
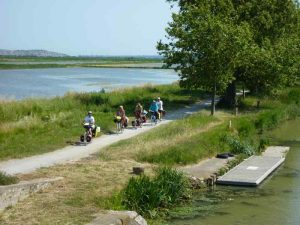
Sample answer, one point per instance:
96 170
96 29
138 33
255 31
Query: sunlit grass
36 126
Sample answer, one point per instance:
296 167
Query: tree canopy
213 43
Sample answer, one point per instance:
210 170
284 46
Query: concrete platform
205 168
255 169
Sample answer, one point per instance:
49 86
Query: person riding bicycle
121 113
154 109
139 115
138 111
89 122
160 107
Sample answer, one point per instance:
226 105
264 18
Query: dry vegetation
84 191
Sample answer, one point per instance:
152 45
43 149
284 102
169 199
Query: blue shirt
154 107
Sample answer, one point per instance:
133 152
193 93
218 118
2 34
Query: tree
203 44
264 63
270 64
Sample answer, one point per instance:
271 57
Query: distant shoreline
8 63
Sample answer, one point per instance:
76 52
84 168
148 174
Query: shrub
237 146
147 196
173 184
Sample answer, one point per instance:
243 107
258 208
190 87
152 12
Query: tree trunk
229 97
213 100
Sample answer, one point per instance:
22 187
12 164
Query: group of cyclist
156 108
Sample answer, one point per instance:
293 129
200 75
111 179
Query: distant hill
35 53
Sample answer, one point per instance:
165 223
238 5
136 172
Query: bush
237 146
147 196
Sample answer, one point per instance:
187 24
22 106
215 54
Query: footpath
74 153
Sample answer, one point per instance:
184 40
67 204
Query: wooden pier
255 169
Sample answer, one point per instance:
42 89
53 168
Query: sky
84 27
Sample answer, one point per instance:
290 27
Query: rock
106 220
118 218
197 183
139 220
138 170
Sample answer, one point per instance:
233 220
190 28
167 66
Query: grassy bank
94 184
35 126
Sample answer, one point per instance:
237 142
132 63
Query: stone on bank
118 218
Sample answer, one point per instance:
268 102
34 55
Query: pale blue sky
84 27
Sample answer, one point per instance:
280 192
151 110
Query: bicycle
153 118
87 136
119 127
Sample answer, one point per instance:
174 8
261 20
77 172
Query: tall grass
247 135
150 196
169 144
35 126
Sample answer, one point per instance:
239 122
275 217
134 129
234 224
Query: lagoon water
275 202
28 83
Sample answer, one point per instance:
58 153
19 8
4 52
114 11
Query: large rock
118 218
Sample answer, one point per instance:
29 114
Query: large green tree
203 44
267 62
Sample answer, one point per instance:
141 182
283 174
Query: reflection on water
58 81
275 202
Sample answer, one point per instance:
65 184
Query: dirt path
73 153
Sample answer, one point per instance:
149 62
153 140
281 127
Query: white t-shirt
89 119
160 105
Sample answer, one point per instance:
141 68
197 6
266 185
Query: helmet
90 112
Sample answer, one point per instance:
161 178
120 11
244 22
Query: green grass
200 136
35 126
170 144
152 196
7 179
198 146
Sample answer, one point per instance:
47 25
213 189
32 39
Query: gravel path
73 153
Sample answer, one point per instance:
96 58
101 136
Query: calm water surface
275 202
27 83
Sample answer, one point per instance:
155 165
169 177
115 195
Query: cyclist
138 111
121 113
154 109
160 107
89 122
139 115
